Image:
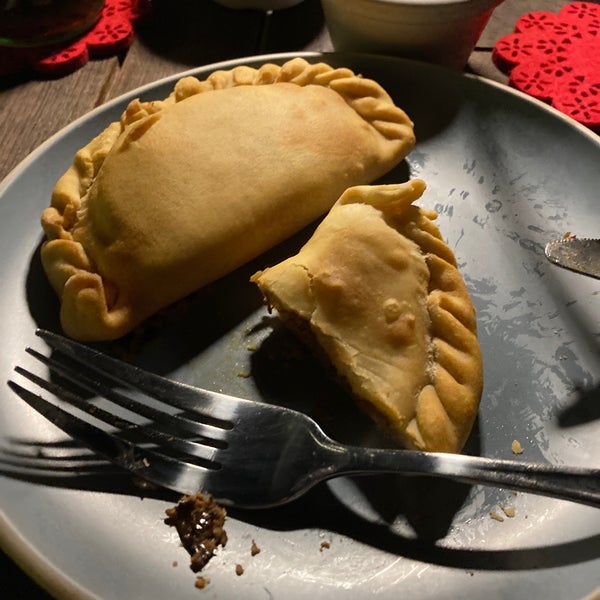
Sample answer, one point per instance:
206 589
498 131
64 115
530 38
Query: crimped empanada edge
445 409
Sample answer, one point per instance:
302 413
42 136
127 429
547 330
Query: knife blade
581 255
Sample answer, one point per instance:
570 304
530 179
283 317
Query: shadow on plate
322 510
284 373
67 465
344 522
584 405
584 408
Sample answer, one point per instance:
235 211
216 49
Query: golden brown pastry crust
381 295
184 190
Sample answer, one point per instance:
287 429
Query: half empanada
377 292
182 191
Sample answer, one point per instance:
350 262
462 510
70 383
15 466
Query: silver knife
581 255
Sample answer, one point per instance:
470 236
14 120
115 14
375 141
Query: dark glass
27 23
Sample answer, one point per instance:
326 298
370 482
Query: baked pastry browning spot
377 292
184 190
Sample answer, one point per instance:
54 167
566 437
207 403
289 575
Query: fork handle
567 483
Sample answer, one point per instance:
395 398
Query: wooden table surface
181 34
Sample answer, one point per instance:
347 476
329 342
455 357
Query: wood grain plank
481 63
32 111
506 14
503 22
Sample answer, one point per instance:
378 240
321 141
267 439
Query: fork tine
179 395
144 462
208 434
199 451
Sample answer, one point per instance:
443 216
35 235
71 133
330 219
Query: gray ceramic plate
506 174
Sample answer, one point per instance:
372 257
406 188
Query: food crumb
516 447
324 546
254 550
244 374
239 570
199 521
174 563
509 511
201 582
496 517
251 348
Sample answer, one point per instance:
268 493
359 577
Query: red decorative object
112 34
555 57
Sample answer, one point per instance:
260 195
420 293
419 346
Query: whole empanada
182 191
377 292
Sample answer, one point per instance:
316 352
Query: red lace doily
112 34
555 57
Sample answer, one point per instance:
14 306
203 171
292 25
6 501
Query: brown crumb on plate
199 521
201 582
496 517
509 511
239 570
516 447
324 546
254 549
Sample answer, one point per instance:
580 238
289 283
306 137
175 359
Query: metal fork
244 453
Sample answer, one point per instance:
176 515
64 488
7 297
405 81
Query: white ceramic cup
438 31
